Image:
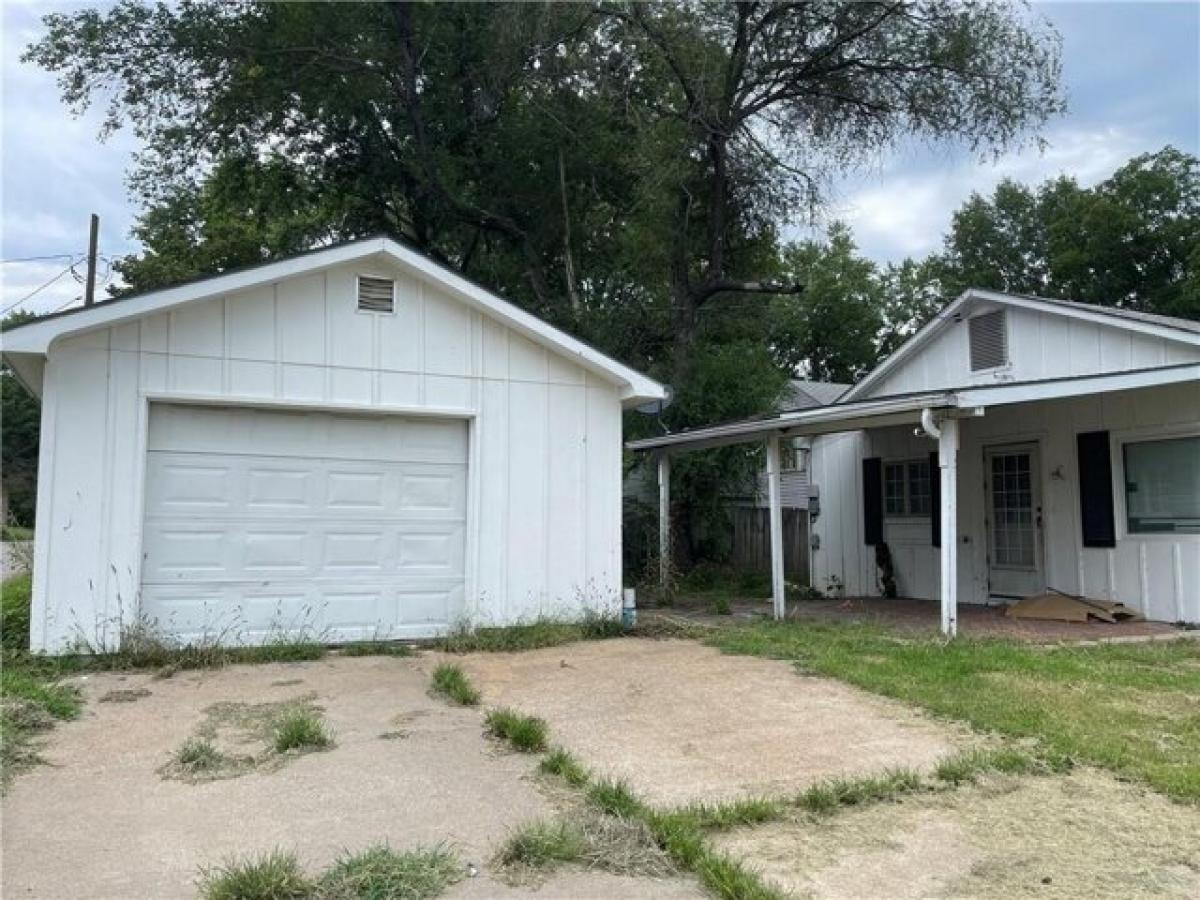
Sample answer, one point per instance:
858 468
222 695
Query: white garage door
263 522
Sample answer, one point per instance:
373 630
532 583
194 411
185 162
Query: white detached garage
356 442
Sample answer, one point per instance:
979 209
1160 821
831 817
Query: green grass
541 632
543 845
615 798
681 836
300 730
271 876
562 763
15 595
376 648
197 756
380 873
1129 708
451 682
16 533
528 734
827 797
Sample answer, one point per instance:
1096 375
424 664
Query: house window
1162 485
791 458
988 338
906 488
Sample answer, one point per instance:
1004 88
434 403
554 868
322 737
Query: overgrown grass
376 648
377 873
543 844
32 697
381 873
16 533
271 876
451 682
527 734
563 763
541 632
300 730
615 798
1129 708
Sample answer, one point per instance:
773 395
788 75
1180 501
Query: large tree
572 154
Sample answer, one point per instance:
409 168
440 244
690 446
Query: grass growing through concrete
451 682
1129 708
376 648
381 873
300 730
377 873
271 876
528 734
543 845
563 763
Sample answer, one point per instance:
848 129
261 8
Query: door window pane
1162 485
918 487
893 489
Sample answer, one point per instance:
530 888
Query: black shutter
1096 490
872 470
935 501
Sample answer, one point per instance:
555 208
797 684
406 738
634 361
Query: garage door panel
254 526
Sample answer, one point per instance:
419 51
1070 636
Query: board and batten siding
544 461
1040 345
1157 574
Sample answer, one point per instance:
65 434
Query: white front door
263 522
1014 520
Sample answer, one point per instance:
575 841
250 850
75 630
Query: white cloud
895 213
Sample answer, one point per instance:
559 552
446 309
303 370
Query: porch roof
905 409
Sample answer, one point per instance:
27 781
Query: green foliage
528 734
380 873
15 599
32 700
376 648
543 844
563 763
1077 704
272 876
541 632
20 413
451 682
300 730
615 798
198 756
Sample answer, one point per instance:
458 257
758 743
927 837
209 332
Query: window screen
1162 485
989 340
376 294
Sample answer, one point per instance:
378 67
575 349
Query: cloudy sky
1131 71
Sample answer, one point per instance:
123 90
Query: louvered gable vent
376 294
989 340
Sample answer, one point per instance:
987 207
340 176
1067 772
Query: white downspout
775 517
664 521
946 434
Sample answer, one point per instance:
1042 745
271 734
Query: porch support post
664 520
774 503
948 464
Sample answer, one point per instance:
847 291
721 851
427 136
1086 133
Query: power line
35 292
21 259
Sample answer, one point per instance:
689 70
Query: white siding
1040 345
544 459
1156 574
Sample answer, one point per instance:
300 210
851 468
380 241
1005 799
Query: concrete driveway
677 720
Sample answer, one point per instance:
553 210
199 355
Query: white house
1012 445
355 441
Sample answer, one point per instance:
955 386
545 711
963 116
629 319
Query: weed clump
300 730
527 734
562 763
272 876
451 682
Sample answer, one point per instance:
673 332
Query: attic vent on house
989 340
376 294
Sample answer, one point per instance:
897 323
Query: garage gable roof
1175 329
36 336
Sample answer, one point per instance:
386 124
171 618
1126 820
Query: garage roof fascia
903 409
1185 332
37 336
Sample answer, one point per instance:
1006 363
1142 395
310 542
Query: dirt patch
124 695
682 722
1085 835
580 883
101 808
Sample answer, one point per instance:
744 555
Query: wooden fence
752 541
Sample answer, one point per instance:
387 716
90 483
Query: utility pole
89 294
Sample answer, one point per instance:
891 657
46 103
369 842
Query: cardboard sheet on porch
1070 608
